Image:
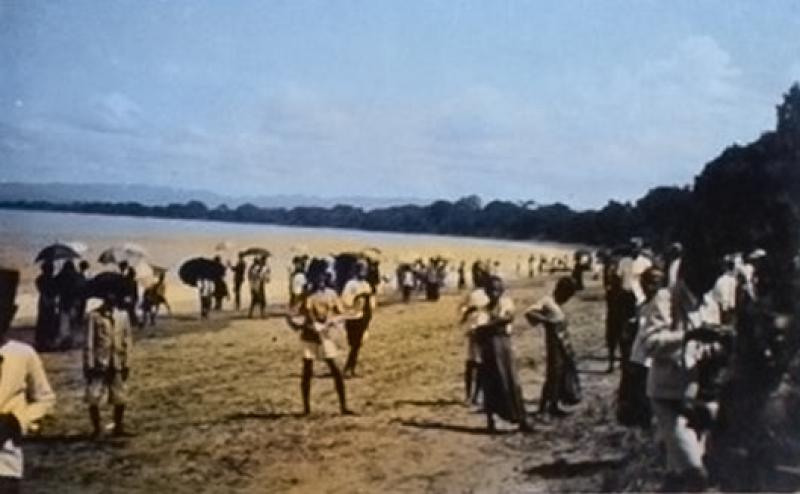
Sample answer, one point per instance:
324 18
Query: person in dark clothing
220 287
131 299
613 290
462 277
68 282
47 309
239 269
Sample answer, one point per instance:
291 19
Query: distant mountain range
158 195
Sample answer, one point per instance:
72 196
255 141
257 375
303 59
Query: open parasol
57 252
256 251
128 252
107 283
200 268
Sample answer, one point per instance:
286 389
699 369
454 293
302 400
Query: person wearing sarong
561 383
47 309
357 297
68 282
25 393
502 394
319 315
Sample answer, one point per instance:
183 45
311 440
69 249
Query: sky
579 102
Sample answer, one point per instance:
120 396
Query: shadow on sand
428 403
482 431
563 468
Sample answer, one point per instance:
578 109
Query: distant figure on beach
131 299
205 289
319 315
531 265
297 282
462 275
153 298
432 282
502 394
47 319
220 287
561 383
25 393
239 270
405 281
258 276
357 297
69 283
106 355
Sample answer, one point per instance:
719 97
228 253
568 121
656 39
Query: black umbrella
56 252
107 283
256 251
200 268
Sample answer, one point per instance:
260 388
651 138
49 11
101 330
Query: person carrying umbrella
106 351
25 392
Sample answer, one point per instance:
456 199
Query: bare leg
305 385
94 417
338 381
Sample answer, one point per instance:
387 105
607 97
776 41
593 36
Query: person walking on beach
47 309
238 280
25 393
319 315
462 277
561 383
502 394
258 276
106 355
358 298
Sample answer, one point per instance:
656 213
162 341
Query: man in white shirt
724 292
25 393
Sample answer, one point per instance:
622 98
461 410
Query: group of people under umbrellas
61 310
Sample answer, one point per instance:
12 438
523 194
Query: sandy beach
215 409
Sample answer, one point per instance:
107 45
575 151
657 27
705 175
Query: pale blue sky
578 102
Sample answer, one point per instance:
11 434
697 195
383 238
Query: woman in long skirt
502 394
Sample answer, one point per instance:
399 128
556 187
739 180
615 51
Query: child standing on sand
106 355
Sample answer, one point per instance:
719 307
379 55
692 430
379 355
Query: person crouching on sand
318 317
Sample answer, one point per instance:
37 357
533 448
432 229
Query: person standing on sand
357 297
47 309
502 394
258 276
561 383
106 355
297 282
220 287
205 289
25 393
320 313
68 282
238 280
154 296
462 277
474 313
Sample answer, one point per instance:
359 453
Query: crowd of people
669 342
